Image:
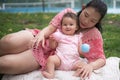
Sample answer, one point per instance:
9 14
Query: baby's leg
78 64
15 42
18 63
52 63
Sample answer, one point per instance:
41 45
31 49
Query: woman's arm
85 71
44 34
97 64
56 21
80 43
95 57
53 25
79 46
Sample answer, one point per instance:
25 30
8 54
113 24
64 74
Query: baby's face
69 26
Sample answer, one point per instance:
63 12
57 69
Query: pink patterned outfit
41 54
67 49
92 37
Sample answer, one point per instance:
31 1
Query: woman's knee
11 66
10 44
6 41
13 38
7 66
6 63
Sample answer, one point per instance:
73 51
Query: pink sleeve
56 21
94 38
96 50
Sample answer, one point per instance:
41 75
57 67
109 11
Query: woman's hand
38 39
84 72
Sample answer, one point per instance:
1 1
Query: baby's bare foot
47 75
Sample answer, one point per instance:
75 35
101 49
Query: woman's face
89 17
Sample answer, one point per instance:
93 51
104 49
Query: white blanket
109 72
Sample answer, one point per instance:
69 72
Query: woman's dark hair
100 7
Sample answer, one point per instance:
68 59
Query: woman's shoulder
94 31
92 34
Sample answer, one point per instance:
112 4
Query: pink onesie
67 49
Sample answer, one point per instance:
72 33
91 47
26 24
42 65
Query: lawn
10 22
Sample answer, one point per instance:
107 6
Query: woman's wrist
97 64
92 66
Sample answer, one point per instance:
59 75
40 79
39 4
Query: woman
89 22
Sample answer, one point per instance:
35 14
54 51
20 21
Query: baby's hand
52 42
51 37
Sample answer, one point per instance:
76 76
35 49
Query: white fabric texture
110 71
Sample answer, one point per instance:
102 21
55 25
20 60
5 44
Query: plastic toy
85 48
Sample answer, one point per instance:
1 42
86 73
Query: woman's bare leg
15 42
18 63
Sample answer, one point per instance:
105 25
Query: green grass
111 35
14 22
